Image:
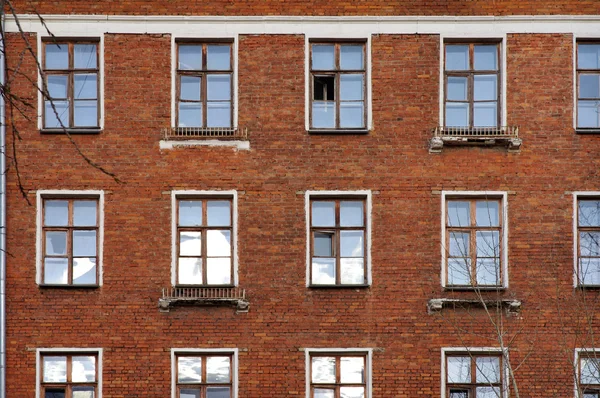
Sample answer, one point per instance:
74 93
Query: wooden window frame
472 386
203 75
204 384
470 75
71 72
581 71
338 384
336 73
69 384
336 240
587 388
581 229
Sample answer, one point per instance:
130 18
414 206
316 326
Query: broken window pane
56 243
84 271
324 88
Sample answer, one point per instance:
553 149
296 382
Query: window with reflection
338 375
204 376
70 241
588 238
338 79
69 375
588 85
471 375
589 374
71 79
204 85
204 241
338 228
474 242
472 85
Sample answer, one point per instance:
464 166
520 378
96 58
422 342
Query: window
338 239
338 81
589 373
204 85
472 85
588 85
470 375
71 77
474 240
205 238
69 375
588 241
339 374
205 375
70 237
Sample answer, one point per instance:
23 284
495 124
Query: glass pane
85 56
458 244
323 370
190 271
190 213
459 394
352 271
57 86
457 57
323 114
589 244
485 114
189 393
590 371
323 244
190 243
84 271
485 87
352 243
323 214
324 393
488 370
323 56
51 120
352 115
589 271
488 392
218 392
83 392
487 213
351 214
218 243
588 56
457 114
457 88
56 213
588 114
352 370
219 87
57 56
589 213
488 270
190 57
351 56
84 213
190 87
55 369
218 271
56 243
323 271
459 370
189 370
218 114
218 57
190 114
54 393
589 86
351 87
485 57
86 86
86 113
84 243
488 243
219 213
83 369
459 271
459 214
217 370
352 392
56 271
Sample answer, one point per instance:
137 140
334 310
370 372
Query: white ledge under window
491 136
203 296
182 137
512 306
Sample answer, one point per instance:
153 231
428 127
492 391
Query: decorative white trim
40 351
482 194
362 351
239 145
40 194
200 194
229 351
576 196
339 195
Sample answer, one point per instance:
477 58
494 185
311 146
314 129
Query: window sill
71 131
339 131
465 136
68 287
583 286
587 130
434 306
361 286
203 296
173 144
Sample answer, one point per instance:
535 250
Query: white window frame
71 351
199 195
363 194
577 365
580 38
476 351
476 194
70 194
576 197
205 351
362 351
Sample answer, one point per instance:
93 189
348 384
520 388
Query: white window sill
174 144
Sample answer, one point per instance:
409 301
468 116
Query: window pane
189 370
83 369
457 114
324 88
189 393
589 86
57 86
323 370
351 56
218 243
352 370
56 213
86 113
218 271
190 271
190 57
457 88
589 271
218 57
589 244
588 56
190 114
459 369
56 271
83 392
352 392
459 271
324 393
488 392
219 87
323 56
352 271
457 57
587 114
488 370
84 243
56 243
351 87
485 88
458 244
352 115
589 213
590 371
488 243
190 243
190 87
323 244
352 243
54 393
85 56
86 86
487 213
218 392
323 214
485 114
488 270
459 214
84 213
217 370
84 271
459 394
219 213
61 108
190 213
351 214
218 114
323 271
55 369
323 114
57 56
485 57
